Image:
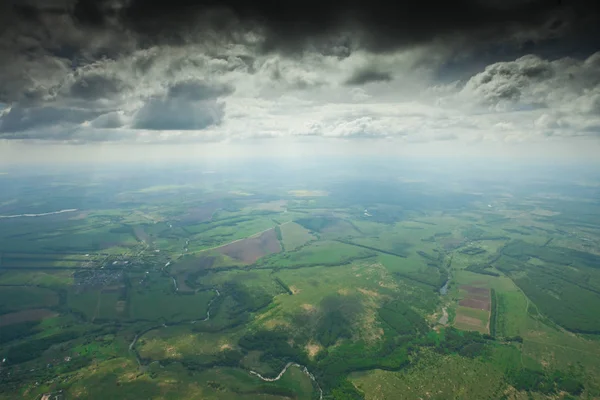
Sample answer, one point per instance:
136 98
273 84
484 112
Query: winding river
291 364
258 375
39 215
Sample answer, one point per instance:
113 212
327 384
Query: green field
154 306
294 236
319 253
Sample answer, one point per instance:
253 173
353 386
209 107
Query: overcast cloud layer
186 71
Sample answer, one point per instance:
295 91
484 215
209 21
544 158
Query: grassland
435 377
169 307
294 236
180 342
318 253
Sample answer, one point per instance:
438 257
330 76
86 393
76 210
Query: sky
106 80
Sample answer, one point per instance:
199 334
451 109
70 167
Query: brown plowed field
480 304
35 314
251 249
476 291
476 298
463 319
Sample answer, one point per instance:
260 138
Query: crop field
33 314
251 249
377 288
475 297
468 318
294 236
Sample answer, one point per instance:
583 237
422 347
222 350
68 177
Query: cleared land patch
471 319
480 303
475 291
251 249
473 311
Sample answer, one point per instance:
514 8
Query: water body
291 364
39 215
209 304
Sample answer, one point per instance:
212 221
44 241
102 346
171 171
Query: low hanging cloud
111 120
561 97
368 75
188 105
19 118
534 82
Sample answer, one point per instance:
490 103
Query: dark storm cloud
378 24
194 90
367 75
57 35
187 105
178 114
95 86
